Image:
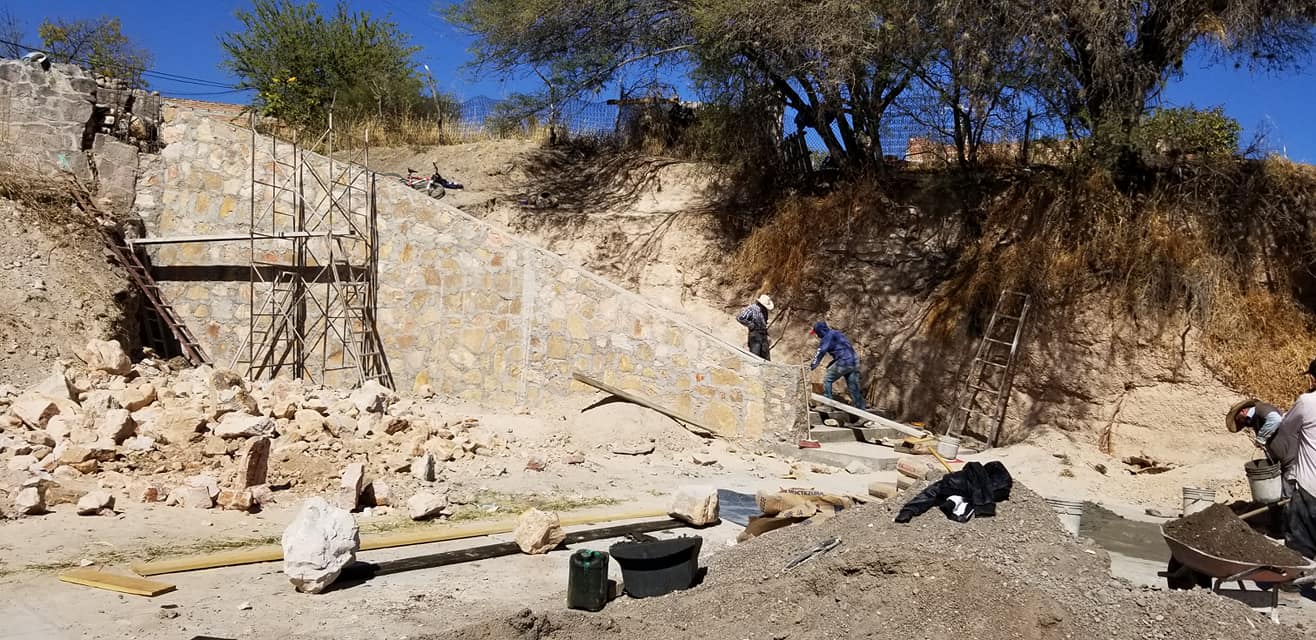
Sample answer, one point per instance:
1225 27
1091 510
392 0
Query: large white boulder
319 543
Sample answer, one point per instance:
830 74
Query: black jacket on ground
980 486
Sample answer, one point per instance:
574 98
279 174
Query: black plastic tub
660 567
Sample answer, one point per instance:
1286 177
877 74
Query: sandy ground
213 602
256 601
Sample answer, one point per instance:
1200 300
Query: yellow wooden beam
114 582
271 553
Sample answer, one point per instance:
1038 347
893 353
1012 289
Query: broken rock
377 494
372 397
695 504
235 499
31 500
857 468
318 544
538 532
192 497
422 468
138 396
253 462
34 410
351 486
116 425
108 356
95 503
54 386
424 506
242 425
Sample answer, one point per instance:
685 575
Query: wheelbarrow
1191 567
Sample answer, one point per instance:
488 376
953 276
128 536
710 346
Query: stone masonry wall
45 115
468 309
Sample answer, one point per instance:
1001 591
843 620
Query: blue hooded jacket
835 343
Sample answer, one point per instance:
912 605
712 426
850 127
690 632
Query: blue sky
184 38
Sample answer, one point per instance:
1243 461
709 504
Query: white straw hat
766 302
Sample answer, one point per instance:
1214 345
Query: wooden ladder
158 315
985 389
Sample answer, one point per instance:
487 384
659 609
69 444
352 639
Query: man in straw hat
1261 421
755 318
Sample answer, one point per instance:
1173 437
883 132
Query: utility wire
162 75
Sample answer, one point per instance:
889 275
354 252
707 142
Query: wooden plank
497 550
860 413
114 582
272 553
643 401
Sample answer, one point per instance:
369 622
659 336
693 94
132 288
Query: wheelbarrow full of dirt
1192 567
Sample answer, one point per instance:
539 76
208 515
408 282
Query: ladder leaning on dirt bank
985 390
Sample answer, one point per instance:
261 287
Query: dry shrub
1259 342
1225 246
784 255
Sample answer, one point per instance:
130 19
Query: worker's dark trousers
851 375
1300 527
759 344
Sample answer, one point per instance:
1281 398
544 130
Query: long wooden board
114 582
272 553
364 570
871 417
699 427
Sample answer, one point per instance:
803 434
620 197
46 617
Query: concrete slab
840 454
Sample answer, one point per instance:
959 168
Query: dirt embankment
1013 576
57 290
1094 386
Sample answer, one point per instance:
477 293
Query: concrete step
836 434
841 454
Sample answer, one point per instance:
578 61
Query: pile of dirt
1217 531
1013 576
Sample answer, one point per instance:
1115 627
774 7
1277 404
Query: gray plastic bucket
1264 478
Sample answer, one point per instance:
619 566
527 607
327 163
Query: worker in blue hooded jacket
844 364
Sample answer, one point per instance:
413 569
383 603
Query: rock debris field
202 438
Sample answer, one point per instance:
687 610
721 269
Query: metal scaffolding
314 262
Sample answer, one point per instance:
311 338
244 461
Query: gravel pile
1014 576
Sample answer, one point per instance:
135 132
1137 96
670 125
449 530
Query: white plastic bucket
1195 499
1070 513
1264 478
948 447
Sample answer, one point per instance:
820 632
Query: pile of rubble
203 438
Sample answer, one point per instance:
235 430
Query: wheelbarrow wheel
1181 578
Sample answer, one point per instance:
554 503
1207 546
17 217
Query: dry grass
399 131
784 255
1259 341
1222 247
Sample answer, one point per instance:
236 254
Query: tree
1110 59
300 62
839 64
98 45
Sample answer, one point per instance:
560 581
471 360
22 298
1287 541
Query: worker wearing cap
755 318
844 364
1300 424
